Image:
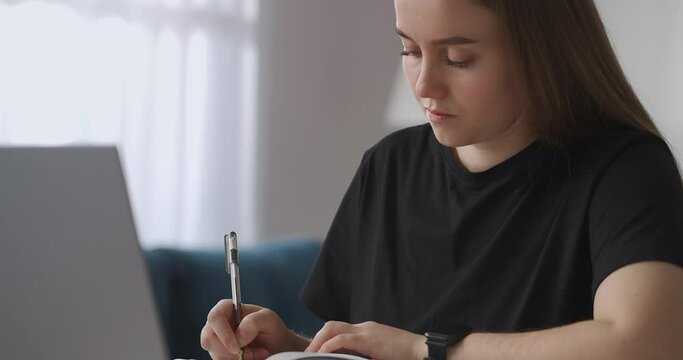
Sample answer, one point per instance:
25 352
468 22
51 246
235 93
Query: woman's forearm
584 340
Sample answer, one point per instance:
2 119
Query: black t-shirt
420 243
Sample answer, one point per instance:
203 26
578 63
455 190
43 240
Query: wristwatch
438 343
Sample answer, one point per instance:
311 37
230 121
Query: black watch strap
438 343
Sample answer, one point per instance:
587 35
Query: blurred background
249 115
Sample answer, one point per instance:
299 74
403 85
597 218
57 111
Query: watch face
448 339
437 338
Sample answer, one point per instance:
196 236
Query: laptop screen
73 281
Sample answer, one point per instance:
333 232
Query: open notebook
312 356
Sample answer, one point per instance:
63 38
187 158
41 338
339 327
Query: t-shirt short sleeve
636 213
327 291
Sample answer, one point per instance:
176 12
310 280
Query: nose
430 84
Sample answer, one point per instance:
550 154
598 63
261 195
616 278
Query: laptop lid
73 281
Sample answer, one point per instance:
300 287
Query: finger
254 323
250 308
328 331
256 354
219 322
211 343
226 308
346 342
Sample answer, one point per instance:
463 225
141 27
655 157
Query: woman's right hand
261 332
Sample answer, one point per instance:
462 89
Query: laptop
73 281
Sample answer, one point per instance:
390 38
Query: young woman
539 214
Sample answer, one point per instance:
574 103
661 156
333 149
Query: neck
485 155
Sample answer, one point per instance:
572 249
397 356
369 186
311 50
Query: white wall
327 68
648 38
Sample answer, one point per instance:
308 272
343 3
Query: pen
232 267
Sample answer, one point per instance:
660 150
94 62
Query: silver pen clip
232 267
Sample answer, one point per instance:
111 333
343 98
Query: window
170 82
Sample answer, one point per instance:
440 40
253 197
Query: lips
437 116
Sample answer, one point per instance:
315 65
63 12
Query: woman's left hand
370 339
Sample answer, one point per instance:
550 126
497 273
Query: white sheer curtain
171 82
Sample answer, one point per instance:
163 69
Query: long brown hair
574 83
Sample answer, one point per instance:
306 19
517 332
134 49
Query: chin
451 138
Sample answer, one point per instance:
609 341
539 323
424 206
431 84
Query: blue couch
188 283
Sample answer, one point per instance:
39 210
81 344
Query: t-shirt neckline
511 168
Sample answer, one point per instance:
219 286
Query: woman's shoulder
619 145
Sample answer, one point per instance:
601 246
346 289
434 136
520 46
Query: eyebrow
452 40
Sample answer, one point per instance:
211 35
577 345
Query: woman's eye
410 53
447 61
458 64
